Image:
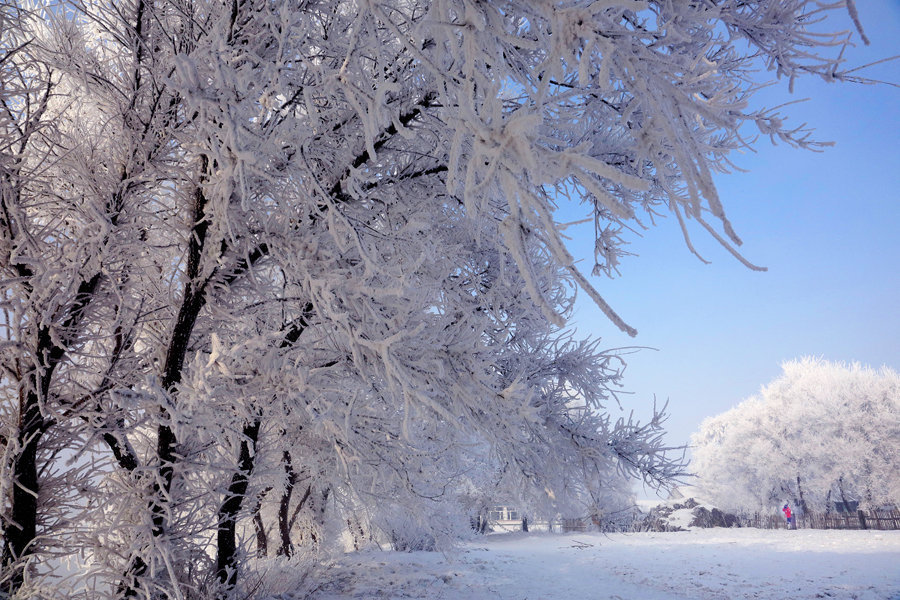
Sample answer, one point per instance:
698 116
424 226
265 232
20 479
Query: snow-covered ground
700 564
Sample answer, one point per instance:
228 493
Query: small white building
505 518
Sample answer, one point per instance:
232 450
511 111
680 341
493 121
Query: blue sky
827 226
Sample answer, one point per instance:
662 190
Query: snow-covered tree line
266 262
821 434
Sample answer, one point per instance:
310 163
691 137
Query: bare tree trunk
226 561
20 533
192 302
284 505
803 508
262 539
843 497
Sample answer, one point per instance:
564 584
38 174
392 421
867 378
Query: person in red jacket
790 517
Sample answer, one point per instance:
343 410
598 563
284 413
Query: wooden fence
861 519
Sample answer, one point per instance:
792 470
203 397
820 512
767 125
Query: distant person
789 516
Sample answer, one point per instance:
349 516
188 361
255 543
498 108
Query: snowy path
718 564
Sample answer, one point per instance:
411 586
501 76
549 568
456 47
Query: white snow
709 564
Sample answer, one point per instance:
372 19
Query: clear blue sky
827 226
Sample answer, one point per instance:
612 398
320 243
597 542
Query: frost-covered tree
820 433
252 249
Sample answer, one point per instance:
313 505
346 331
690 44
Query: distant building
505 518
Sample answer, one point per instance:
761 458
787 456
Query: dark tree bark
193 300
262 540
803 507
284 527
226 543
49 348
847 509
19 534
226 563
